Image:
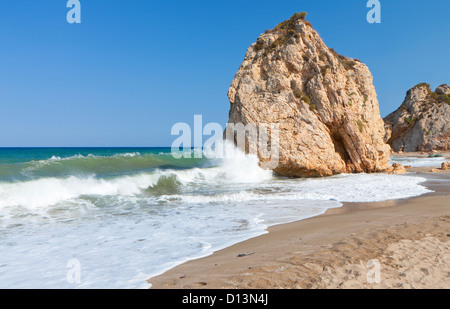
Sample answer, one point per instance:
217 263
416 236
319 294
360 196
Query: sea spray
237 166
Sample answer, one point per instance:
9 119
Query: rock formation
422 123
397 168
325 104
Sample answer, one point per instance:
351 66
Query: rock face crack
339 143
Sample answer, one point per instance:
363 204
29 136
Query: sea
103 218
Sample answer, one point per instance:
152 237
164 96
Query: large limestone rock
422 122
325 104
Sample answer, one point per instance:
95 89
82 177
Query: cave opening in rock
339 145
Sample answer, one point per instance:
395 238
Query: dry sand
405 242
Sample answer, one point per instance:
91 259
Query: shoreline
332 250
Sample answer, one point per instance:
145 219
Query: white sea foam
46 192
51 191
343 188
418 162
90 156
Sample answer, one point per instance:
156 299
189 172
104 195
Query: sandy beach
396 244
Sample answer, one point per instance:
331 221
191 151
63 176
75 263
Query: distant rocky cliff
422 122
325 103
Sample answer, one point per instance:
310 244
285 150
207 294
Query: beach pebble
245 254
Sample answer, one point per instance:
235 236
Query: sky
132 69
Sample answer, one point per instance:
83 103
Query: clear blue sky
132 69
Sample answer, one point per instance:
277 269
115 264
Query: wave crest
48 191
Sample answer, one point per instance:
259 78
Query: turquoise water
33 163
126 214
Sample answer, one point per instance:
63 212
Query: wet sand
391 244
